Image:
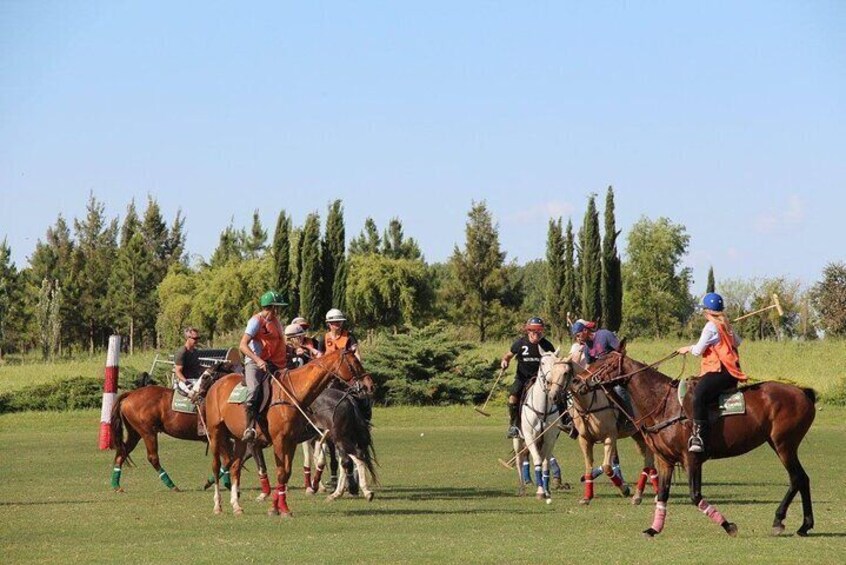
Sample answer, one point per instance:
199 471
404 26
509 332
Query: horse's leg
799 482
264 481
361 470
522 467
307 458
665 479
320 465
151 441
694 474
587 451
133 437
333 461
537 461
340 486
608 465
648 471
235 475
214 446
283 474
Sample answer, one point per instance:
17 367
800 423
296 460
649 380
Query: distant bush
69 394
428 365
837 394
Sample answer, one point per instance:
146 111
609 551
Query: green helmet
272 298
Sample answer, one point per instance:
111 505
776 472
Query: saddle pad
729 404
238 394
182 404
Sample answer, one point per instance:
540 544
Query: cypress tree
571 301
281 252
591 264
311 281
296 269
712 285
612 282
556 314
368 240
255 242
334 259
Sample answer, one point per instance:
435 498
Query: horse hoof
778 530
627 492
331 498
286 515
565 486
208 485
649 534
262 497
584 501
273 512
803 531
238 511
636 500
731 529
218 511
120 490
309 491
368 497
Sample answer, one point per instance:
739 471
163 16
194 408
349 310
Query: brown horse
283 427
777 414
145 412
595 417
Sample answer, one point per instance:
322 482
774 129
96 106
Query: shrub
69 394
428 365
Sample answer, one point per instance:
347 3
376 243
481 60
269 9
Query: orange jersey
722 354
271 337
332 343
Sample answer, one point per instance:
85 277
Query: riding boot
250 432
566 424
698 437
513 430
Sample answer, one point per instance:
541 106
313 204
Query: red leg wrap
653 476
265 484
307 476
281 499
588 486
641 482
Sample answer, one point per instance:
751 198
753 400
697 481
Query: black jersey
528 356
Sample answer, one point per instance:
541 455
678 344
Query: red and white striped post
110 383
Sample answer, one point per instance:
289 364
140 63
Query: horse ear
557 351
622 348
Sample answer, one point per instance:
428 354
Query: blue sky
726 117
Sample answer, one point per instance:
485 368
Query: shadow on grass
48 502
441 493
423 512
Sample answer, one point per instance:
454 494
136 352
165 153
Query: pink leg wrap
280 499
641 482
711 512
265 484
660 516
588 486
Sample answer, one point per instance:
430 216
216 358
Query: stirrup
694 445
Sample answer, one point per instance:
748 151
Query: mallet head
777 304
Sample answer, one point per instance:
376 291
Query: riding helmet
272 298
713 301
335 315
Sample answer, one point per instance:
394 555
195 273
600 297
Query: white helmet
335 315
294 330
300 321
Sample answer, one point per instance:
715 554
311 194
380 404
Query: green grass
443 498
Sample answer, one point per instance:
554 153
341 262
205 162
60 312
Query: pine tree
311 283
479 272
228 247
94 257
131 224
368 240
281 251
556 314
255 243
334 259
131 288
296 269
570 302
396 246
612 281
8 284
175 244
591 264
712 285
155 233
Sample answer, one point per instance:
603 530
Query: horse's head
557 372
208 377
350 370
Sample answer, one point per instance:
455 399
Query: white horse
538 411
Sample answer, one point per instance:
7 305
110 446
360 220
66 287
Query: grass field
443 498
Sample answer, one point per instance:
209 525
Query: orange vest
271 336
336 343
722 354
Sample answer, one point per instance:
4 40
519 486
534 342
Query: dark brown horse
777 414
284 427
144 413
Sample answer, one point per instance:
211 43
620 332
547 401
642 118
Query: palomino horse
777 414
343 414
595 417
538 411
145 412
284 427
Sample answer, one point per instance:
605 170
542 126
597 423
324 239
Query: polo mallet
776 304
510 463
490 394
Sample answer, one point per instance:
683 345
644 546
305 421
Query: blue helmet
713 301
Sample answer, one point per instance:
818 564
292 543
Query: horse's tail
811 394
118 443
364 440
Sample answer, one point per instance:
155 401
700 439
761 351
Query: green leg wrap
165 478
227 480
116 478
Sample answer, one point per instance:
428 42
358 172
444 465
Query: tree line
132 276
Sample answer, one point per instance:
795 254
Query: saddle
239 395
730 402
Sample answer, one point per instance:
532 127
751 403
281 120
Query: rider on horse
264 349
720 366
186 362
300 348
307 340
338 337
527 349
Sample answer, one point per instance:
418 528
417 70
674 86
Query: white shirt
710 336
